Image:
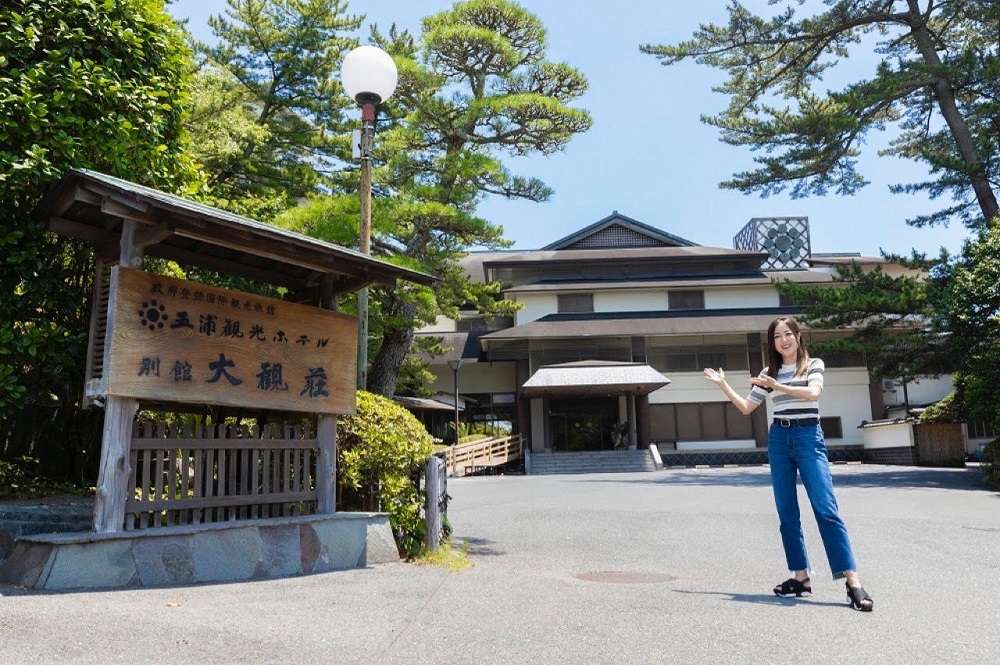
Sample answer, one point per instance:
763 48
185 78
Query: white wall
442 325
735 297
622 300
535 306
693 387
497 377
888 436
731 444
845 394
924 390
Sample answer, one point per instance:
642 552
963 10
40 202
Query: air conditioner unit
888 384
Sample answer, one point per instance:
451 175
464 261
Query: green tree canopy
475 86
268 102
82 84
937 81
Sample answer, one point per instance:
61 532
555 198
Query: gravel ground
622 568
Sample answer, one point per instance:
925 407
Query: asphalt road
672 566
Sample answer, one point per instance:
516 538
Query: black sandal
794 587
857 597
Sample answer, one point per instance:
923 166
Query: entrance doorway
583 424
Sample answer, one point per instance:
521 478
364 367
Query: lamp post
454 365
369 76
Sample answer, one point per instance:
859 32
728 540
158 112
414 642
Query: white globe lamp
369 75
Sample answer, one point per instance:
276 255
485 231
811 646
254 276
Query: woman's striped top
786 406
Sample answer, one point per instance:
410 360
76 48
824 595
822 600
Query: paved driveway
673 566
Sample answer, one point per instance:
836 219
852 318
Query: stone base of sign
224 552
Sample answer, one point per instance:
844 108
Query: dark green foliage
972 316
945 321
892 317
82 84
937 81
383 448
475 85
268 106
23 478
943 411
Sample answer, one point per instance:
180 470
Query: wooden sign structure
172 340
168 341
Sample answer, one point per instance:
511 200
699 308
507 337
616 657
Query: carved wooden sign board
174 340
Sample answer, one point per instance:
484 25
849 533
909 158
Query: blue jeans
803 449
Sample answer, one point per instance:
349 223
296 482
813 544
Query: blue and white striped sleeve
814 376
757 394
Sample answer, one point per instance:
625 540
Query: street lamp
369 76
454 365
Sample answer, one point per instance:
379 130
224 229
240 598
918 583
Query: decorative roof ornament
785 239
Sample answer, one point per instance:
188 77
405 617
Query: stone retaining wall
218 552
27 518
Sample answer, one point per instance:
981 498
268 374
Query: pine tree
473 86
937 81
268 105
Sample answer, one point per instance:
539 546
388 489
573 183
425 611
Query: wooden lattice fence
193 474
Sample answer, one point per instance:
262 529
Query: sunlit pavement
671 566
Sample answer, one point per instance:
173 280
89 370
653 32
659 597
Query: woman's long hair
774 357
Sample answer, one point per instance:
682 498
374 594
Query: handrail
488 452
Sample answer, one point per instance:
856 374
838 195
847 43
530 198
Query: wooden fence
215 473
472 457
939 444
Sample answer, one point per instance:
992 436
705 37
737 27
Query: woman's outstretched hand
715 376
765 381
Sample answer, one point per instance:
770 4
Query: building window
686 299
785 300
698 421
576 302
695 359
832 427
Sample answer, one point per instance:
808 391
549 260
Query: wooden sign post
157 341
180 341
171 340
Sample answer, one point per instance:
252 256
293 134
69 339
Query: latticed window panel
785 239
616 236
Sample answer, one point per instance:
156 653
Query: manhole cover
624 577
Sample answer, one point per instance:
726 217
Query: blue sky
648 155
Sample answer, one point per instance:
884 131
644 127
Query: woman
795 443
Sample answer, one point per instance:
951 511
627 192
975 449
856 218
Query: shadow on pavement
762 599
479 546
895 477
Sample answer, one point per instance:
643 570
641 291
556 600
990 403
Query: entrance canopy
594 378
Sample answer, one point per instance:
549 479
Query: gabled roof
646 235
593 377
93 206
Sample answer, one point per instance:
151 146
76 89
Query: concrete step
597 461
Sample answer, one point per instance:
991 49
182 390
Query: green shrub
19 479
945 410
382 452
101 85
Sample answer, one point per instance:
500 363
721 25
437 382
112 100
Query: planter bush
383 449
